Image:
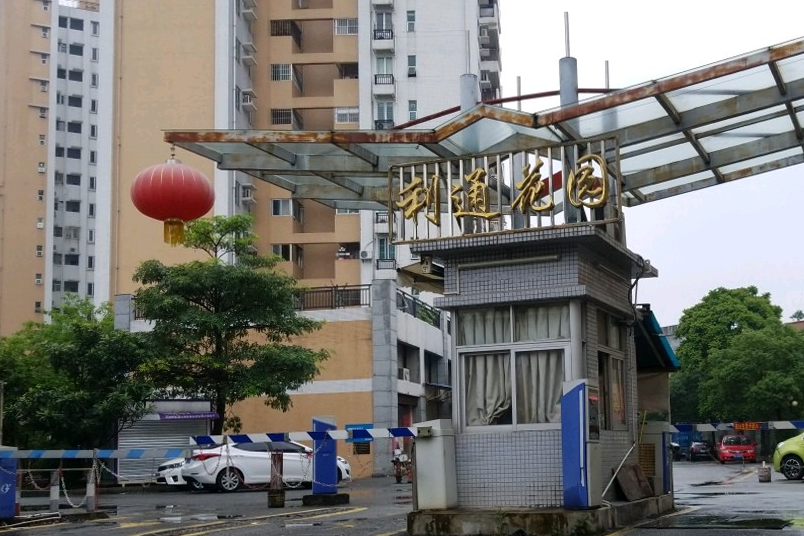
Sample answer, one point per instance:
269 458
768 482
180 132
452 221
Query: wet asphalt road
711 499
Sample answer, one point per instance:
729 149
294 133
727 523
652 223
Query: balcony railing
417 308
381 217
383 34
380 79
386 264
334 297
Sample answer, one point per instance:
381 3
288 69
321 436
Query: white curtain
539 374
488 389
541 323
539 379
484 326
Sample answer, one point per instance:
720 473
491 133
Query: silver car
230 466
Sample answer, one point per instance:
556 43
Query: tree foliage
708 332
76 384
756 377
226 329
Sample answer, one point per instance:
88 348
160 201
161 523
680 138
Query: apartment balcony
383 3
248 103
384 85
248 14
489 54
383 40
489 14
247 57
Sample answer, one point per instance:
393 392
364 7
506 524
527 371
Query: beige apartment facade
317 65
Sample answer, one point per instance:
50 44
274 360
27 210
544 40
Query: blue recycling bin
8 488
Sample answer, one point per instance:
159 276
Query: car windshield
736 440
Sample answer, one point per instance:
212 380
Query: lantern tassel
174 231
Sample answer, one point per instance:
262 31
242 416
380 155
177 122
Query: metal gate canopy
719 123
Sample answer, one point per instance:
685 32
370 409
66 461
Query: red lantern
173 193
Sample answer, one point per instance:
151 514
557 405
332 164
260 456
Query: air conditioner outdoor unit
72 250
411 71
39 253
404 374
38 280
365 254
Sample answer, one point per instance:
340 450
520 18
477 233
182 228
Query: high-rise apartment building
90 86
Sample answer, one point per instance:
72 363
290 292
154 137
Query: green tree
798 316
76 372
226 329
756 377
708 326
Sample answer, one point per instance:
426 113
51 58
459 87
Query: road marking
341 512
134 524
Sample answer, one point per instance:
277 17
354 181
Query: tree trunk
220 408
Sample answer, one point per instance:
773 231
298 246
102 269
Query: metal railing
417 308
383 79
334 297
383 34
386 264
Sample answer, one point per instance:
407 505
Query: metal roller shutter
154 435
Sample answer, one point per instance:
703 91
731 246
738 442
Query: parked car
228 467
788 457
699 450
170 473
736 448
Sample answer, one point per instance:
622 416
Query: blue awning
653 352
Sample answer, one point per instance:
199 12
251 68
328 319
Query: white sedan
230 466
169 473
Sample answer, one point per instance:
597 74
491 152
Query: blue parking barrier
361 434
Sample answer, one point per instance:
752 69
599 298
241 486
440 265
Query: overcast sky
733 235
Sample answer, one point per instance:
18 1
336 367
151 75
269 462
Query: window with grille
345 26
411 21
412 110
283 116
347 115
280 71
385 110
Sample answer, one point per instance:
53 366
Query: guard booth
538 279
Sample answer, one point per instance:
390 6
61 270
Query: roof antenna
566 34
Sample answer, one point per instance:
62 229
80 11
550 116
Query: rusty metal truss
708 126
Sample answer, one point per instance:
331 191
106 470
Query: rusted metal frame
478 113
201 150
700 117
732 66
729 177
273 179
275 150
724 157
360 152
777 77
303 164
439 150
340 181
676 117
519 142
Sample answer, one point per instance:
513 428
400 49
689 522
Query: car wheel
195 486
792 467
229 479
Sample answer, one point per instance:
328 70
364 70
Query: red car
736 448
